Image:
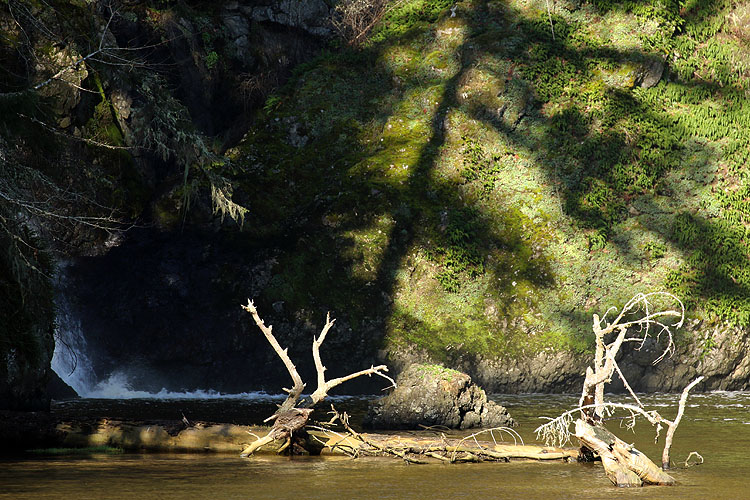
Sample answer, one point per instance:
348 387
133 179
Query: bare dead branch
557 430
288 418
298 386
55 131
106 28
673 425
624 465
627 385
634 330
322 391
317 342
413 449
696 454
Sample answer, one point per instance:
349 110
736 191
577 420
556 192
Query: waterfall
70 360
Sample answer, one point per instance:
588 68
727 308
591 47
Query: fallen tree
293 414
637 322
290 423
485 445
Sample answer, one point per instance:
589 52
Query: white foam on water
72 362
117 386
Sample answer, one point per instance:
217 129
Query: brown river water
717 425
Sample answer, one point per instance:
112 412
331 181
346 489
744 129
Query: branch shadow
372 190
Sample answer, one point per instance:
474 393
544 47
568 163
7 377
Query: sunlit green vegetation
484 183
479 176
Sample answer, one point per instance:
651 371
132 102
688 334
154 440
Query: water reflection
714 424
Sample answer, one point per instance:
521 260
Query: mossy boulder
431 395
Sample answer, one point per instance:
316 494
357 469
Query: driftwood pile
421 450
639 320
487 445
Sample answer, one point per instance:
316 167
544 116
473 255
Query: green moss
654 250
498 185
410 16
477 185
211 59
439 371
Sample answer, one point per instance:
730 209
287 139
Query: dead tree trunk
624 465
289 420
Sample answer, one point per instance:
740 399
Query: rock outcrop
26 343
311 16
715 350
431 395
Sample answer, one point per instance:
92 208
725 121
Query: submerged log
624 465
204 437
21 431
419 449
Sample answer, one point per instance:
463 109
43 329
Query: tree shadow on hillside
586 150
421 208
602 172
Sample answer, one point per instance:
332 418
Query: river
717 425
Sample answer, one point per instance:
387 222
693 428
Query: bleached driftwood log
624 465
486 445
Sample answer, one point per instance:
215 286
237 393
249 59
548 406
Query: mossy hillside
484 187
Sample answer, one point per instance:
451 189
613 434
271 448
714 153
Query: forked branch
298 386
636 330
624 465
289 418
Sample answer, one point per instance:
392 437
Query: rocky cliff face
26 328
439 190
106 148
715 351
